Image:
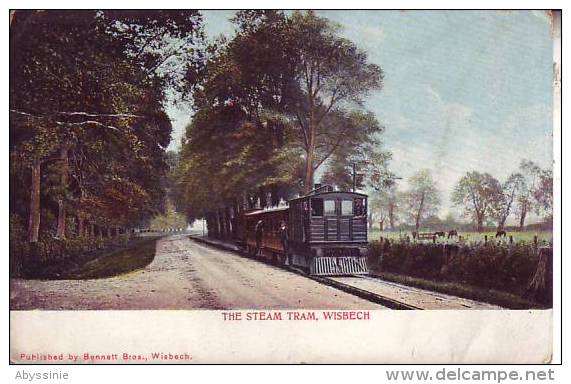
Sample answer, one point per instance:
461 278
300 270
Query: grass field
526 236
136 255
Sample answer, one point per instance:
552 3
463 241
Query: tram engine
327 233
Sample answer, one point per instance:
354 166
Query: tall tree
505 198
525 197
382 207
475 194
289 103
543 193
332 74
313 77
361 151
422 197
394 203
85 107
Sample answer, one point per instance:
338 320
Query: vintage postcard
283 186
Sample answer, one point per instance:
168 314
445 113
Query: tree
314 78
378 209
475 194
362 151
525 197
394 203
383 206
166 44
505 198
543 194
331 74
422 197
169 220
86 113
535 193
230 156
266 111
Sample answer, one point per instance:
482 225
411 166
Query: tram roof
260 211
320 194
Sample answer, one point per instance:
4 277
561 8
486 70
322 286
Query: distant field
375 234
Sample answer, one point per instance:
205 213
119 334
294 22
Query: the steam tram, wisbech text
326 232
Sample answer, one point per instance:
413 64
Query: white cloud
449 140
374 33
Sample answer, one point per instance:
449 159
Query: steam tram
327 232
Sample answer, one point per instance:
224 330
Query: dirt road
187 275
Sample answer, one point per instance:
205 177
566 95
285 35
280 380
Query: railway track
375 289
337 282
400 296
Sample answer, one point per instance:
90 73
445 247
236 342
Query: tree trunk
229 229
522 217
60 233
501 223
108 232
209 225
80 226
480 223
381 225
223 229
541 285
34 222
310 154
371 220
392 216
216 225
419 214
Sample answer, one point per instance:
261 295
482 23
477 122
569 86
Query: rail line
330 281
417 298
373 288
363 293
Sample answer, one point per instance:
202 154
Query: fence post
541 285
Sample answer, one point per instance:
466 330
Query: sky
463 90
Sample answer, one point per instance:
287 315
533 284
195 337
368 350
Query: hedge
501 266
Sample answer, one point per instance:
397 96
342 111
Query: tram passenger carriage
327 233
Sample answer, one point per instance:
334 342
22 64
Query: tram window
316 207
347 207
360 208
329 207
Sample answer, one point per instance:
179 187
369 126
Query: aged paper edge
387 337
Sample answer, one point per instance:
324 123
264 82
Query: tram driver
282 231
259 229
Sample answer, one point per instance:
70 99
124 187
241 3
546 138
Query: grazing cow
452 233
501 234
439 234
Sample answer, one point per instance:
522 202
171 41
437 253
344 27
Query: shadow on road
137 255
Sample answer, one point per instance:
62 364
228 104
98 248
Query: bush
30 259
18 247
502 266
